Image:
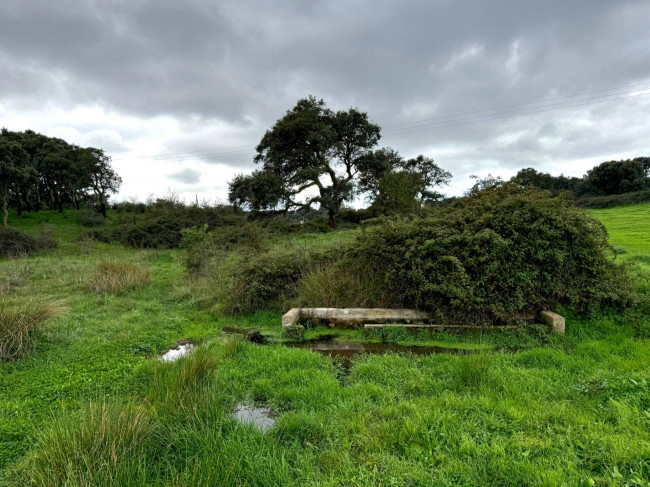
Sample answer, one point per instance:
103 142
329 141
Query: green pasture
93 405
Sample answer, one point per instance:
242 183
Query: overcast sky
179 92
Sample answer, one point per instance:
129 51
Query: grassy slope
538 410
629 227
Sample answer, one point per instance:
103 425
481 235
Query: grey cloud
186 176
241 64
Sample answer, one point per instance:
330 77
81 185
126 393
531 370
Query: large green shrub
14 243
159 224
160 234
264 281
499 251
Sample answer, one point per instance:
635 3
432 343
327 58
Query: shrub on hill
502 250
499 251
267 280
159 234
14 243
159 224
614 200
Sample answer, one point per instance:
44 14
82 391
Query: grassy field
629 228
92 405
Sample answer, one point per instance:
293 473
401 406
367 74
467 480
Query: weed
336 285
113 277
20 316
15 276
105 445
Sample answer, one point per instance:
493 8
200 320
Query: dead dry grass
20 316
112 277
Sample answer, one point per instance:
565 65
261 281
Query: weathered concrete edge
294 315
291 317
440 327
556 322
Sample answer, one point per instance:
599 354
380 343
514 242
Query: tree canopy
605 179
38 171
316 156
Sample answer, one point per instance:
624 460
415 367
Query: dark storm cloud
237 66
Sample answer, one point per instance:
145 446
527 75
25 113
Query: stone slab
554 320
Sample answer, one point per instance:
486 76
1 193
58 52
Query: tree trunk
333 218
5 212
28 204
102 209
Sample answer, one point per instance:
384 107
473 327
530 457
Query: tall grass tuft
335 285
113 277
105 446
172 381
20 317
474 371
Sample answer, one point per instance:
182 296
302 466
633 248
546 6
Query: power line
526 103
444 121
486 118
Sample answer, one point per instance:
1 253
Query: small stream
344 351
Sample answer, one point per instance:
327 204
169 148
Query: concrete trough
554 320
383 317
352 317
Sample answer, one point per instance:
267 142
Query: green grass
629 229
92 405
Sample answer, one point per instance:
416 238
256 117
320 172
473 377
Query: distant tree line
38 172
607 179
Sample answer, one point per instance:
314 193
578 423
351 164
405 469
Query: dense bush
159 234
483 259
497 252
246 281
159 224
14 243
614 200
265 281
90 218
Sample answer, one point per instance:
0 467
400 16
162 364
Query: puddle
182 348
344 351
258 417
